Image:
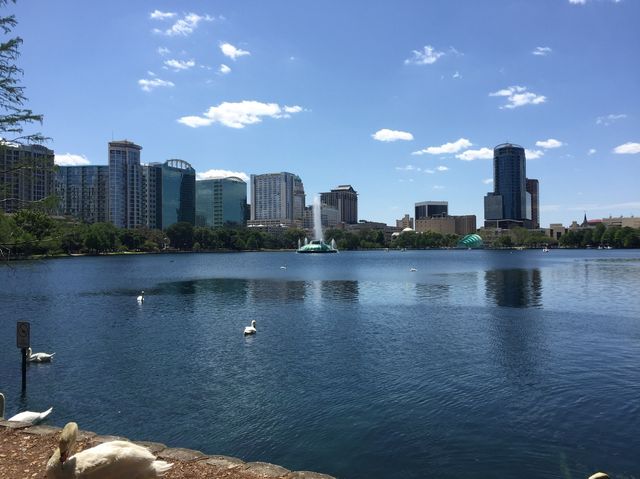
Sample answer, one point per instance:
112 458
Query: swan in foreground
31 416
250 329
109 460
39 357
140 298
599 475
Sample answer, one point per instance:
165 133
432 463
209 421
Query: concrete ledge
154 447
265 469
224 462
42 430
308 475
15 424
179 454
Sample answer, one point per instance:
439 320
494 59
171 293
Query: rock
308 475
154 447
15 424
265 469
42 430
224 462
179 454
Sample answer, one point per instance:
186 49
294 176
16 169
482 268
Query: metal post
24 369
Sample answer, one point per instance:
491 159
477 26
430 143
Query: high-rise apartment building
26 175
533 188
221 202
277 199
169 193
83 192
431 209
125 184
509 205
345 199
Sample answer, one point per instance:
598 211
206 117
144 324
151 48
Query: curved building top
507 145
178 164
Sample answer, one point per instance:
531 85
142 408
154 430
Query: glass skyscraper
509 205
83 192
125 184
221 202
169 193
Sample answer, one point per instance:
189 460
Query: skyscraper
169 193
83 192
277 198
533 188
221 202
125 184
26 175
431 209
509 205
345 199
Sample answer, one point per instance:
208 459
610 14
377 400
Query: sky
403 100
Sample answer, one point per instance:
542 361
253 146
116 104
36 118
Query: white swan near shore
113 459
39 357
140 298
250 329
25 416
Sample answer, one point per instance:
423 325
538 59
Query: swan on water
113 459
413 270
140 298
250 329
38 357
283 267
31 416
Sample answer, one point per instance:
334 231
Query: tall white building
125 185
277 199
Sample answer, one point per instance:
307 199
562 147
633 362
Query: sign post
23 337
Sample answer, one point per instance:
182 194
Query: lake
478 364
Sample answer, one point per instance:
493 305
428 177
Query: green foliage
101 238
181 235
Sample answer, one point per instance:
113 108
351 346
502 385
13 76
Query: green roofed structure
471 241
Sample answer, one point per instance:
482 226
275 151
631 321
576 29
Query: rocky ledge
25 450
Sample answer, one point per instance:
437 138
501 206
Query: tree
181 235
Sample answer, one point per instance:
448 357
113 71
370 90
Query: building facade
221 202
405 222
277 199
329 217
125 184
458 225
169 193
431 209
83 192
509 205
533 188
345 199
26 175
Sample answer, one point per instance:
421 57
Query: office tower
277 199
221 202
26 175
509 205
431 209
169 192
533 188
345 199
83 192
125 184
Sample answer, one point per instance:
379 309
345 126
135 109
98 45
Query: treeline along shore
30 232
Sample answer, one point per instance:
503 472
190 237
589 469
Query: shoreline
25 450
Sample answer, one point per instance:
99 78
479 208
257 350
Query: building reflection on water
514 288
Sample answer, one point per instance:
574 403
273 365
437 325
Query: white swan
39 357
250 329
140 298
31 416
109 460
413 270
283 267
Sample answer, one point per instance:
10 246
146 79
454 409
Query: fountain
317 245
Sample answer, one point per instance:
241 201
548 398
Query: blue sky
404 100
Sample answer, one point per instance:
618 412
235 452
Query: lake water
479 364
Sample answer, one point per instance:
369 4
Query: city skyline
404 101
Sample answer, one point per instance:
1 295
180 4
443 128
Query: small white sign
23 334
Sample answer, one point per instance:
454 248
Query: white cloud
240 114
542 51
427 57
387 135
407 168
158 15
592 151
487 181
471 155
578 2
550 143
442 168
162 51
608 119
457 75
178 65
438 187
69 159
185 26
519 96
454 147
232 52
212 174
148 85
627 149
533 154
224 69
